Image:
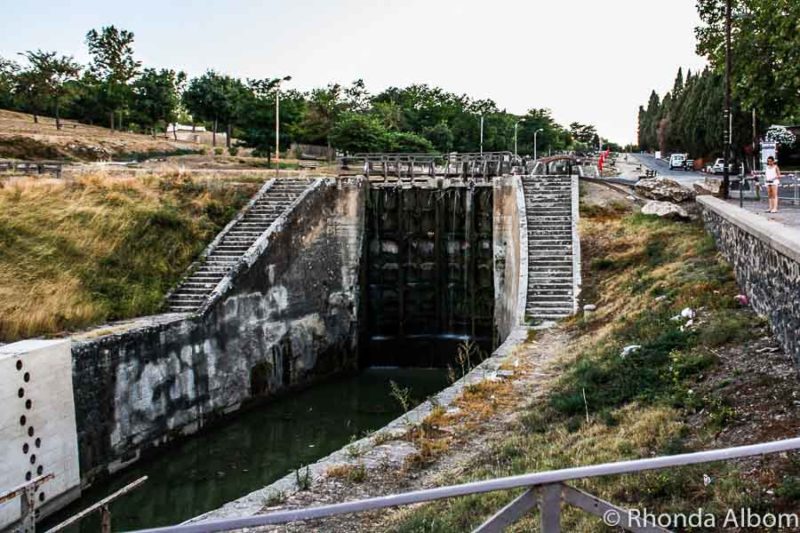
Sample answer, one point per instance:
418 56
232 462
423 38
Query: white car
719 167
677 161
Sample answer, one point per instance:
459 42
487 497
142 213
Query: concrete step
182 308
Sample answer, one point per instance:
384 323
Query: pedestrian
772 178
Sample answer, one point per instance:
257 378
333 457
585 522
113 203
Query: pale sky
587 60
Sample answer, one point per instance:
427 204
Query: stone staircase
551 283
195 289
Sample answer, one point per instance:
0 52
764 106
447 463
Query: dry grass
640 272
82 252
22 138
353 473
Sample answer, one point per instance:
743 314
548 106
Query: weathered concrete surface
510 278
287 317
510 263
37 424
766 259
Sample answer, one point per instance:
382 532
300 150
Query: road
681 176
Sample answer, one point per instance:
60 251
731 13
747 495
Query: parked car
719 167
688 165
677 161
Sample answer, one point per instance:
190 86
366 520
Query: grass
352 473
640 272
79 253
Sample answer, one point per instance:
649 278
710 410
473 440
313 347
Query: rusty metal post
105 519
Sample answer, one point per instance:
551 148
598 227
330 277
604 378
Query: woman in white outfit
772 177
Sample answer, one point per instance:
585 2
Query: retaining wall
286 318
766 259
385 446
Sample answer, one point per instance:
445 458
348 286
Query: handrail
101 506
478 487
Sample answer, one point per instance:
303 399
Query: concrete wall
37 424
287 318
766 258
510 254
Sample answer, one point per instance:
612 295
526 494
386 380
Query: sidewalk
787 214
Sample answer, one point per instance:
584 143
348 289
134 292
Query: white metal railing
752 186
546 490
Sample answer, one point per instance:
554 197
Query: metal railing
102 507
753 187
545 490
32 167
28 512
401 167
27 495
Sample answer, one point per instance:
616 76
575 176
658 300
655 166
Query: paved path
787 214
681 176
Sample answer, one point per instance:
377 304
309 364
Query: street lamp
481 134
535 134
727 116
278 123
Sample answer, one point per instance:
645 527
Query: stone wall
287 318
766 258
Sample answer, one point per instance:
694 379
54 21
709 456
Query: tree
157 97
256 115
355 132
324 108
441 136
113 66
765 52
214 98
583 133
46 77
406 142
8 72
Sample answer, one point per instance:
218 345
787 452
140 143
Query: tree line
765 76
114 89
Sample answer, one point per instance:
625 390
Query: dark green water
254 449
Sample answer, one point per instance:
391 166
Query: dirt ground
22 138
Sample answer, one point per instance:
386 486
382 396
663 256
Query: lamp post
535 135
278 123
481 134
727 117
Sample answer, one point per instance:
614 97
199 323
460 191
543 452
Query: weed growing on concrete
274 498
304 480
402 395
356 473
354 450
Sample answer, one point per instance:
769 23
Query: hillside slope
22 138
83 252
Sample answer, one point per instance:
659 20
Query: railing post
551 508
28 511
105 519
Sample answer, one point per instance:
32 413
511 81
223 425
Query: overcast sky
586 60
